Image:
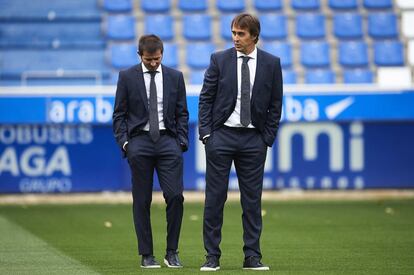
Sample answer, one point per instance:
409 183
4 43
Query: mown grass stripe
21 252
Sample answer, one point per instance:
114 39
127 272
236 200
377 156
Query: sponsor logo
85 111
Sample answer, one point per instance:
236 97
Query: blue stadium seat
358 76
197 77
305 4
309 26
46 10
161 25
170 55
353 54
120 27
117 5
347 25
343 4
378 4
192 5
231 5
382 25
198 54
282 50
124 55
273 26
315 54
320 77
389 53
268 5
51 35
197 27
225 26
15 62
289 77
156 6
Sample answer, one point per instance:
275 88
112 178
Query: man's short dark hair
150 43
247 22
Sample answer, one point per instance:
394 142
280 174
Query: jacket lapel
233 73
141 85
258 79
166 91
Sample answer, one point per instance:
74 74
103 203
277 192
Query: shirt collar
252 55
144 69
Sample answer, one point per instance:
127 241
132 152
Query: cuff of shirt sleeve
124 146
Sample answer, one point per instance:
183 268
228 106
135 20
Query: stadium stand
347 25
170 56
198 54
117 5
45 10
123 55
408 23
343 4
225 23
192 5
268 5
394 76
319 76
350 39
358 76
281 49
310 26
405 4
120 27
382 25
156 6
197 27
353 54
411 52
231 5
388 53
268 22
51 35
378 4
161 25
315 54
305 4
289 77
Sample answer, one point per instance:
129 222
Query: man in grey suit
239 111
150 123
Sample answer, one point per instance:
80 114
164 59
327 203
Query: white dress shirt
234 119
160 92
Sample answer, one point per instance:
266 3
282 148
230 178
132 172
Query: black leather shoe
148 261
212 264
253 263
171 260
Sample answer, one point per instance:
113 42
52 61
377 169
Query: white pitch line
21 252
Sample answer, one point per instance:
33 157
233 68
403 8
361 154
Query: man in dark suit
239 111
150 123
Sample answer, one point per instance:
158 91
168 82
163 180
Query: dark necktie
154 129
245 93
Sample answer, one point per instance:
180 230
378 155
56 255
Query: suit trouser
165 156
248 151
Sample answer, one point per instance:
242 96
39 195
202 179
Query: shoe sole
151 266
263 268
209 268
171 266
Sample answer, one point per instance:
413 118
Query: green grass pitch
299 237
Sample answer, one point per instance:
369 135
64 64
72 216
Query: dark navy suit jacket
131 104
219 94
